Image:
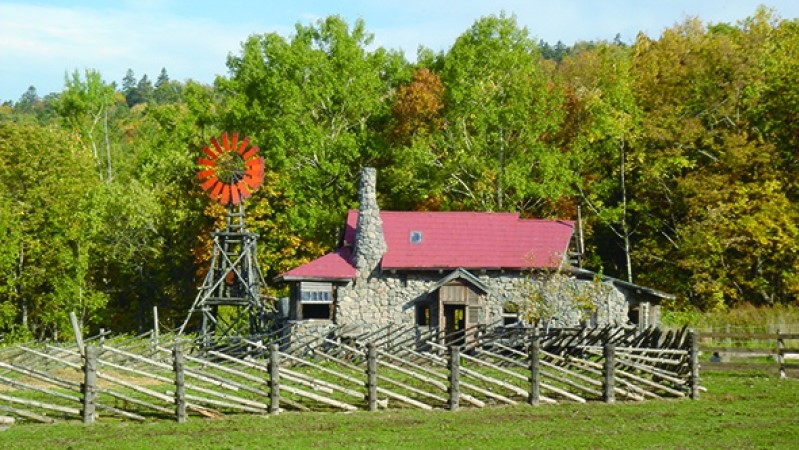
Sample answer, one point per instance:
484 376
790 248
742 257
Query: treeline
681 153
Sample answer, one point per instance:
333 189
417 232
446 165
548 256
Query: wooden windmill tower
230 298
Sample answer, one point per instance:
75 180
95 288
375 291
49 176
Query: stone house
453 270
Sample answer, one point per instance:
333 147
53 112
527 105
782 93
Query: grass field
740 410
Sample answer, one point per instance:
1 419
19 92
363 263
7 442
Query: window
416 237
423 315
315 300
510 314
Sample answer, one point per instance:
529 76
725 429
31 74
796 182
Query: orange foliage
417 106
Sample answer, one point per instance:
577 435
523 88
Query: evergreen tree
129 87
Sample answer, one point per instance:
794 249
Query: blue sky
41 40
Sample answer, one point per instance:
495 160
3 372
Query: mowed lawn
739 410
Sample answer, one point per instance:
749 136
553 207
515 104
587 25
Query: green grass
740 410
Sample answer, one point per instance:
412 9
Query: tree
774 101
144 90
152 215
163 78
11 257
27 102
53 229
166 90
603 125
552 298
84 106
499 110
413 172
129 88
707 172
315 106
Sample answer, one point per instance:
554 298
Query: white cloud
40 43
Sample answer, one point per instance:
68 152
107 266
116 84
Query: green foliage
48 195
499 109
11 234
314 104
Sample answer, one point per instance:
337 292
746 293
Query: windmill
230 298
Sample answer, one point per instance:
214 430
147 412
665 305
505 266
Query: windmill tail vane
230 169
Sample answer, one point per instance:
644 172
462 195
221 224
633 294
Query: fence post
693 363
535 374
156 332
274 379
89 383
78 334
609 393
371 376
781 353
454 377
180 384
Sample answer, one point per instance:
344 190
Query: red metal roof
448 240
333 266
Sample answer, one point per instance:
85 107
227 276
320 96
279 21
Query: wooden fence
155 376
754 351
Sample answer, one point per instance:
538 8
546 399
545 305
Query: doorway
455 322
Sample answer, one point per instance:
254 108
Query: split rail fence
754 351
150 377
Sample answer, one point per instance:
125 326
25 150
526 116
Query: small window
423 315
510 314
316 300
416 237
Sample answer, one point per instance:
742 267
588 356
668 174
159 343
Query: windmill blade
235 141
209 152
225 142
203 174
225 199
250 153
209 183
217 190
258 169
235 198
251 181
255 164
245 191
206 162
218 147
255 173
243 145
261 166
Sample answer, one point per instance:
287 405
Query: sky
42 40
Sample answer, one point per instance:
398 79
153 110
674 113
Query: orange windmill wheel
230 169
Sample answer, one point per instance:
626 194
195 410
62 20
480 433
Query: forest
681 151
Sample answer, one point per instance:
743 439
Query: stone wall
392 298
565 299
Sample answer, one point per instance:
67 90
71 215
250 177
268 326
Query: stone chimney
370 244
